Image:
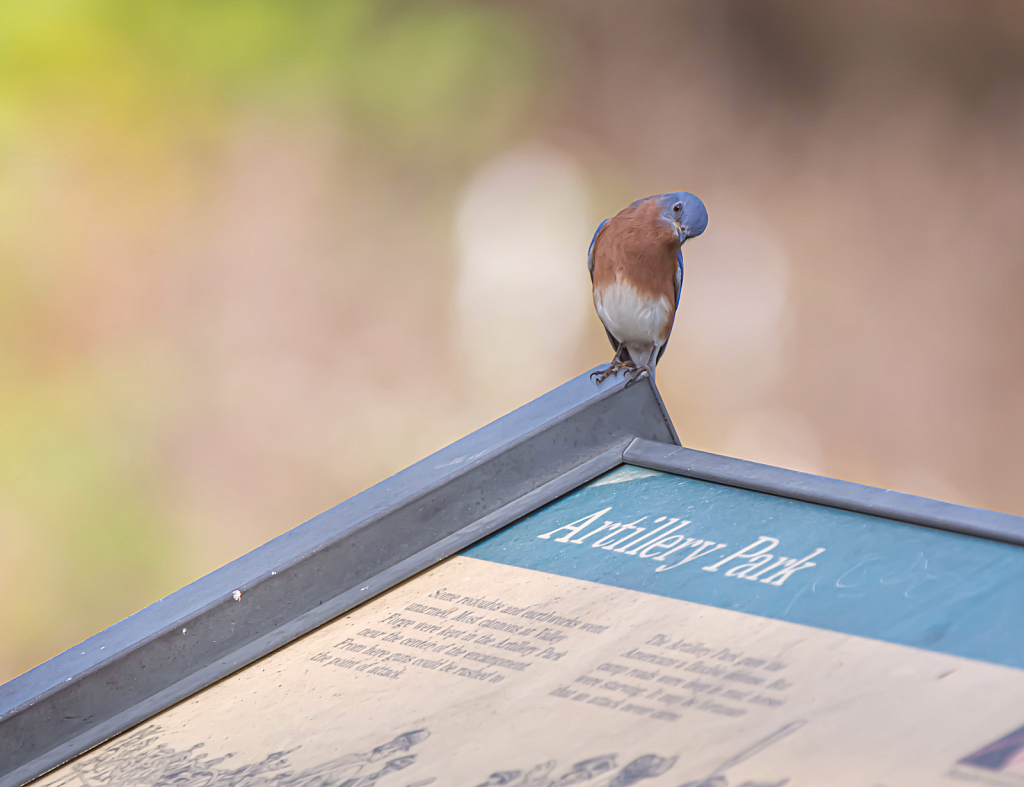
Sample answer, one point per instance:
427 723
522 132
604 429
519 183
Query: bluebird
636 266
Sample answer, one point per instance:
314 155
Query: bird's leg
647 370
614 367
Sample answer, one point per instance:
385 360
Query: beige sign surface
477 673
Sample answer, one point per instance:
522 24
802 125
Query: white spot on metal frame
624 474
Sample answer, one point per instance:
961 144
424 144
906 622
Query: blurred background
256 255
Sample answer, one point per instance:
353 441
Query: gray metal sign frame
360 548
319 570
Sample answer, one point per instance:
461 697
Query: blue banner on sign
778 558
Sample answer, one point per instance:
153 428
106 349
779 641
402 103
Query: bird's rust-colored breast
636 247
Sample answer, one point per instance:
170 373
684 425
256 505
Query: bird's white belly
629 316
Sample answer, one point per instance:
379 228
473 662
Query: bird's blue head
684 212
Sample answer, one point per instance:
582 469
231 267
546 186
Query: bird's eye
677 208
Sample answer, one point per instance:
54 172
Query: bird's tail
644 356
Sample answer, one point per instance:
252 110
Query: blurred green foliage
416 73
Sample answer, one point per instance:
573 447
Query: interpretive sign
646 628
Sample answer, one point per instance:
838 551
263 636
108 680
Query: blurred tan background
256 255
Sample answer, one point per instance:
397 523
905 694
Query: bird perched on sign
636 266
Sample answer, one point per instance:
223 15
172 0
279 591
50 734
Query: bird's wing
679 291
590 251
590 267
679 277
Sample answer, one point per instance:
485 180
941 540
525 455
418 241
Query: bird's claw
635 373
600 376
613 368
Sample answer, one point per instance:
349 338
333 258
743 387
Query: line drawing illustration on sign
647 766
140 760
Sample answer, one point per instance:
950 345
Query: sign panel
647 628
